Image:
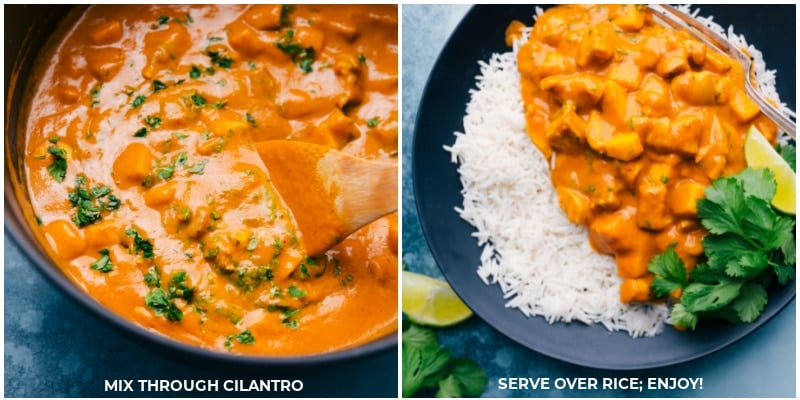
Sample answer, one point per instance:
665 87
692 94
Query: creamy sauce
145 182
639 119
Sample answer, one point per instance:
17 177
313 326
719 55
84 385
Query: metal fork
679 20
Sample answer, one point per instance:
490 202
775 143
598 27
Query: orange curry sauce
147 187
637 120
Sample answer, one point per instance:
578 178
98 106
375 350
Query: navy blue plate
437 190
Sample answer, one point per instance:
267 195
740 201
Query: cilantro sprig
750 245
302 56
426 365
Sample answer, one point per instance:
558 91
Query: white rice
543 263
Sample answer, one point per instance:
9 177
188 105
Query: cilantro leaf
418 336
422 357
759 183
785 273
138 101
158 85
751 301
763 225
449 388
471 377
103 264
158 301
244 337
699 297
669 271
746 265
296 292
140 244
152 278
789 153
682 317
219 59
58 168
195 72
788 250
723 204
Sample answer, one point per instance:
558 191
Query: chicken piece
683 197
744 108
652 194
696 88
610 232
630 18
682 137
567 130
574 203
635 290
654 97
584 90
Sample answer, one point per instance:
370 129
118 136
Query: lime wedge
430 301
759 153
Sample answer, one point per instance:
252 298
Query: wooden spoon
330 193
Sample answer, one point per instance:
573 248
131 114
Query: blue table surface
762 364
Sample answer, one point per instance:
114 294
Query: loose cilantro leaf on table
750 244
426 365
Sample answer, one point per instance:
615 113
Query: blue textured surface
761 365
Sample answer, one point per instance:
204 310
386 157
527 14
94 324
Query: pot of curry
133 182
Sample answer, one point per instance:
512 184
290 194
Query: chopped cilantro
152 120
286 9
291 323
158 301
362 58
140 244
162 20
198 168
296 292
178 288
57 168
141 132
245 337
103 264
95 93
251 120
138 101
166 172
152 278
89 203
158 85
195 72
373 122
302 56
219 59
198 99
